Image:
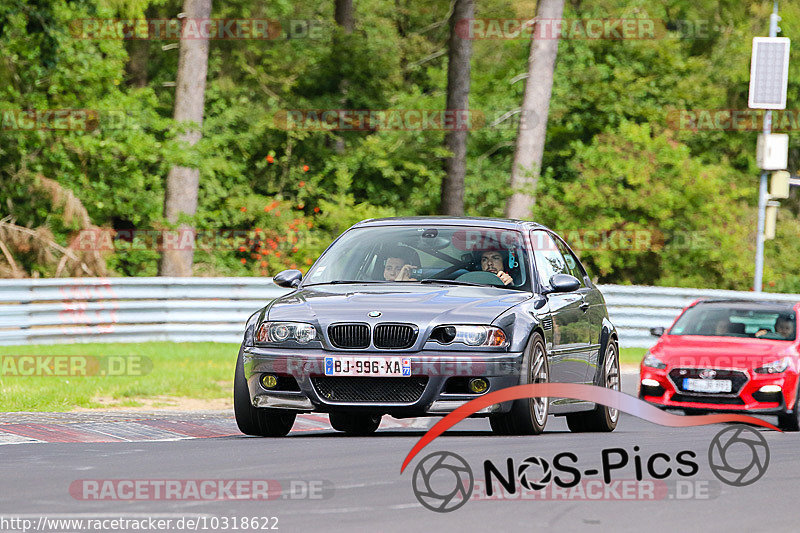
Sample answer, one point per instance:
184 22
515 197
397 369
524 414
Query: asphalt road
369 493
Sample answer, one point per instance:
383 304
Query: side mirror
657 332
564 283
288 278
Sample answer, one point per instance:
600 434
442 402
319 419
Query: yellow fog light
269 381
478 385
770 388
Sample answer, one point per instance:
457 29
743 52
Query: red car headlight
775 367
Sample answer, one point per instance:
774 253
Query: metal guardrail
64 310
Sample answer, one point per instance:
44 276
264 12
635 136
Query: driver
783 327
492 261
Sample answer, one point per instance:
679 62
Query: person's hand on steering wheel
505 278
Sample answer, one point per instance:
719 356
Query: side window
549 260
572 263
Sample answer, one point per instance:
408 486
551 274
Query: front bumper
749 397
500 369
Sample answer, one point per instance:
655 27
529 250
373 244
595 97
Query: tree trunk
183 182
343 15
458 78
533 121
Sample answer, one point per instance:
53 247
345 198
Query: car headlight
775 367
653 362
470 335
277 332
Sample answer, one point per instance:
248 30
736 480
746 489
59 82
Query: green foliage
614 161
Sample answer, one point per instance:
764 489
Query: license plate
368 366
707 385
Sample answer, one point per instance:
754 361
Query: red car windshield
721 321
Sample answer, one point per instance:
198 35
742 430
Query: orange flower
300 206
293 265
243 209
294 249
258 230
244 261
316 209
305 168
309 261
270 159
277 254
310 225
242 248
302 183
263 263
277 213
270 207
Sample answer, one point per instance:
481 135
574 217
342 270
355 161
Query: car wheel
527 416
355 423
261 422
601 418
790 420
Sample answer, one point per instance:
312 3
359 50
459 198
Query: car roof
505 223
744 303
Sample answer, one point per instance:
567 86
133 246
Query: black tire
355 423
528 416
601 419
261 422
790 420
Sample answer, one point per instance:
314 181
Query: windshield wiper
456 282
344 281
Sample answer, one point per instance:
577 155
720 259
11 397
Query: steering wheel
480 276
449 270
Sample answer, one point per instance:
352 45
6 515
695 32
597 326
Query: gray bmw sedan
417 316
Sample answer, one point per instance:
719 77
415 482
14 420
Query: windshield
720 321
425 254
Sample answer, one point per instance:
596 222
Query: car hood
416 304
696 350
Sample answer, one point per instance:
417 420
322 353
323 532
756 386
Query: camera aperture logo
728 456
738 456
443 482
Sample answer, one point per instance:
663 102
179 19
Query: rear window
719 321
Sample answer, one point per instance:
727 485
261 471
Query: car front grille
350 336
707 398
394 336
369 390
737 377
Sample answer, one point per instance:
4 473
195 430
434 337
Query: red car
727 355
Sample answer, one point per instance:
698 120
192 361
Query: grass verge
199 370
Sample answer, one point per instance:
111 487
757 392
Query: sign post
769 68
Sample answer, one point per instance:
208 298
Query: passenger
399 265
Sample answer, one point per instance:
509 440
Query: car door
568 357
593 306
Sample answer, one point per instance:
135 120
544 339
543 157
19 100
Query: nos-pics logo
443 481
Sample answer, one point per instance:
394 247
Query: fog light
478 385
770 388
269 381
647 382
